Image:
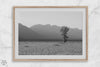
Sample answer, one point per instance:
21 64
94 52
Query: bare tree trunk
65 38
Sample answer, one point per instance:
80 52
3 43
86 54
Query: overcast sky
29 17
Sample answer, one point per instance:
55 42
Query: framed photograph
50 33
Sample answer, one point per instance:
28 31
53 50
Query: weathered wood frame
14 59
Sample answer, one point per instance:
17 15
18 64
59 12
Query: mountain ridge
48 32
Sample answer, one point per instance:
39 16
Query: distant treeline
48 40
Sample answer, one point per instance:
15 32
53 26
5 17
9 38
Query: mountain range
47 32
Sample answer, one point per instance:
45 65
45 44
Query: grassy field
50 48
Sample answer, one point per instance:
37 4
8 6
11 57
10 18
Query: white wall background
6 16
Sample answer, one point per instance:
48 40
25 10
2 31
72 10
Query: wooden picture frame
38 7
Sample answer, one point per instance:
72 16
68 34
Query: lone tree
64 30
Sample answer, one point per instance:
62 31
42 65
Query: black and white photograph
50 33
